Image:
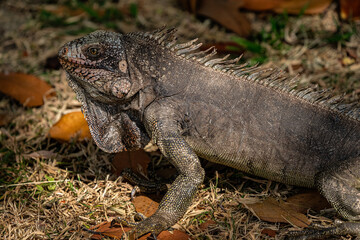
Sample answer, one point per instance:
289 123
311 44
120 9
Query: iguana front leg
162 125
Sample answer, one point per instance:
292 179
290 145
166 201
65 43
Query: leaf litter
52 189
71 125
29 90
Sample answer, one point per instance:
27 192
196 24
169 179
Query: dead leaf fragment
350 9
117 230
63 11
224 12
346 61
70 126
145 205
4 119
302 202
273 211
27 89
290 6
106 229
137 161
269 232
224 47
206 224
174 235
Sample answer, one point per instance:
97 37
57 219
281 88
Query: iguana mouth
72 63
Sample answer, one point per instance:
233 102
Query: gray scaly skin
139 87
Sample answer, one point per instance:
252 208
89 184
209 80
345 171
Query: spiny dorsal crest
273 78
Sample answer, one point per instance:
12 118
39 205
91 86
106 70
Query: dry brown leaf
224 12
273 211
269 232
106 229
62 11
174 235
206 224
224 47
145 205
290 6
309 200
350 9
27 89
116 232
70 126
137 161
4 119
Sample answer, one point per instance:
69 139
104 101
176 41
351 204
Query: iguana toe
153 224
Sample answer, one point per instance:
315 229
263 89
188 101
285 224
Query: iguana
138 87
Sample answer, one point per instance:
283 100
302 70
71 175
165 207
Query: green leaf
133 10
39 188
251 46
49 178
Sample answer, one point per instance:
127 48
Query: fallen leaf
352 53
224 47
269 232
302 202
174 235
290 6
145 205
346 61
137 161
62 11
224 12
4 119
27 89
273 211
206 224
70 126
350 9
116 232
106 229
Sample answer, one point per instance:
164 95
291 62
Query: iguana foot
340 229
153 224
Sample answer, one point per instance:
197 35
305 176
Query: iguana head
97 62
98 72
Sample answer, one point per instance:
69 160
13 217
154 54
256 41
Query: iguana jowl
141 86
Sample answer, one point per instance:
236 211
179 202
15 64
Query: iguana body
142 86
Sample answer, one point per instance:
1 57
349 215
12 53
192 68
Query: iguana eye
94 51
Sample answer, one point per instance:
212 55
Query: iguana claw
153 224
